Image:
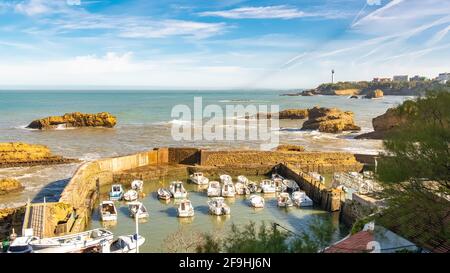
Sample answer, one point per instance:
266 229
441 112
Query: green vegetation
270 239
415 170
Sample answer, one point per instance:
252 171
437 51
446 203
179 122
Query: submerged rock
75 119
8 185
329 120
384 124
378 93
14 154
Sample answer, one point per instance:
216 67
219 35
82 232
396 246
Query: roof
355 243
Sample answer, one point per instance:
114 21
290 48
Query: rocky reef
383 124
8 185
16 154
285 114
374 94
76 119
290 148
329 120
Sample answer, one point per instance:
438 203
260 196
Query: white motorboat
137 209
225 178
164 194
217 206
291 185
116 192
301 199
137 185
242 179
267 186
214 189
177 189
131 195
108 211
256 201
73 242
123 244
21 245
198 178
228 190
284 200
241 188
253 187
185 208
279 185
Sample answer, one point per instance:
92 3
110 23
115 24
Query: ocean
144 122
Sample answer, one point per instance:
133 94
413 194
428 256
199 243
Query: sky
218 44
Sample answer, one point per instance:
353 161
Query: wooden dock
35 219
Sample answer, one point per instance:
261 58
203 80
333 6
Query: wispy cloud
268 12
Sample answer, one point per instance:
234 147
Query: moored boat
242 179
185 208
225 178
21 245
267 186
253 187
213 189
256 201
277 176
137 209
291 185
301 199
116 192
177 189
198 178
284 200
137 185
228 190
241 188
124 244
130 195
217 206
164 194
108 211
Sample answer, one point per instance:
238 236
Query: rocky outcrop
290 148
76 119
384 124
354 97
329 120
347 92
10 218
14 154
374 94
285 114
8 185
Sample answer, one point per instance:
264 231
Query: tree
415 169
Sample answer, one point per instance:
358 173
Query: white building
400 78
443 77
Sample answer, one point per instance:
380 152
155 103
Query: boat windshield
19 248
116 188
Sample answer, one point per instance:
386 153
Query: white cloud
73 2
32 7
269 12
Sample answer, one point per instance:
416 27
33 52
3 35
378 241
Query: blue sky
219 44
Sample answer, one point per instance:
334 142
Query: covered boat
108 211
130 195
228 190
137 185
116 192
124 244
198 178
213 189
301 199
185 208
241 188
268 186
225 178
284 200
177 189
256 201
73 242
217 206
164 194
137 209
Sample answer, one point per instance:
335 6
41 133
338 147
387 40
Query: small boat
225 178
242 179
213 189
137 209
268 186
279 185
164 194
301 199
108 211
130 195
116 192
291 185
228 190
177 189
284 200
253 187
256 201
21 245
185 208
241 188
217 206
137 185
124 244
198 178
73 242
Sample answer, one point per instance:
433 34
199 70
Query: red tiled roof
356 243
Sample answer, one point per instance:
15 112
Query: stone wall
188 156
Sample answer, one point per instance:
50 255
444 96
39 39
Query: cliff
330 120
14 154
76 119
8 185
378 93
383 124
